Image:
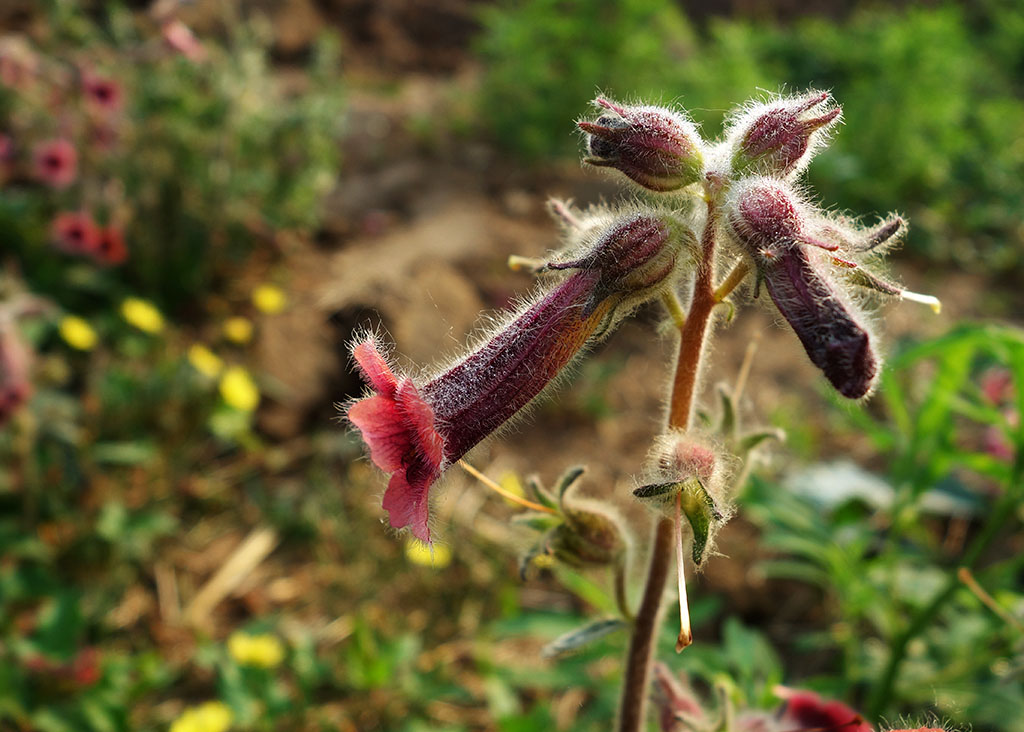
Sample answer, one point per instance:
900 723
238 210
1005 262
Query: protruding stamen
685 634
501 491
519 263
930 300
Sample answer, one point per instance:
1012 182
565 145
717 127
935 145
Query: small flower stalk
416 430
655 147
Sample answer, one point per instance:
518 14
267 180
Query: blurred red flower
56 162
110 247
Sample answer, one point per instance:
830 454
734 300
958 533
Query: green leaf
581 637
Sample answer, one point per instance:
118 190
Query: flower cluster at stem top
733 204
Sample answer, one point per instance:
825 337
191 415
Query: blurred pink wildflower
56 162
103 93
75 232
180 38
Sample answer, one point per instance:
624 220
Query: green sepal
657 490
537 521
728 423
752 440
541 494
567 480
700 510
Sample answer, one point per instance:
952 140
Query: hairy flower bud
769 223
779 138
655 147
588 537
686 472
414 431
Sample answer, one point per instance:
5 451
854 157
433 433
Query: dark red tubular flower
805 710
75 232
56 162
110 249
414 431
655 147
779 138
768 222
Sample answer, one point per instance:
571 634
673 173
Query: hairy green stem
694 329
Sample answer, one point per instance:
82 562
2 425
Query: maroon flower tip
110 248
779 138
106 94
809 711
655 147
397 425
56 163
75 232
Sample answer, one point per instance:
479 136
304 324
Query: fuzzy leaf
537 521
577 639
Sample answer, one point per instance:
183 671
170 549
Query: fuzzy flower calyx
415 429
655 147
779 138
687 473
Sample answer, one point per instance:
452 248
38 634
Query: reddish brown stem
633 707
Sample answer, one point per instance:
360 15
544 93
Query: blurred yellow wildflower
204 360
238 329
269 299
142 314
511 483
239 390
438 556
263 651
77 333
213 716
